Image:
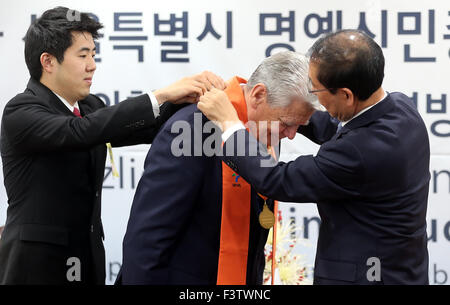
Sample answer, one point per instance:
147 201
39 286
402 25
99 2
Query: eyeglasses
318 90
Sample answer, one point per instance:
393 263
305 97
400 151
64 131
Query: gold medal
266 217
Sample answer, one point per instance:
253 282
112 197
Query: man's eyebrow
86 49
281 120
289 121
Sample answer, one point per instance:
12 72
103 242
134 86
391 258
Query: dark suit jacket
53 165
173 233
370 183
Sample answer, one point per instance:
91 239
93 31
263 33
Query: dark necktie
76 112
339 127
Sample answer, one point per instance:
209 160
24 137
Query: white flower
291 267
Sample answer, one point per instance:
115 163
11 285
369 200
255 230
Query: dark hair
349 59
52 33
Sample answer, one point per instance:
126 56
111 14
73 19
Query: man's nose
290 132
91 65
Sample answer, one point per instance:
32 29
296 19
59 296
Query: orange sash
236 206
236 197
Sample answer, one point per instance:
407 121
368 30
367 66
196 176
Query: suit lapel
96 151
97 155
47 95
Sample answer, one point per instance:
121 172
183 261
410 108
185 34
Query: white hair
285 76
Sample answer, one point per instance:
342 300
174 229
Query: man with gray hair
193 219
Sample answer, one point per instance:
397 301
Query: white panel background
120 71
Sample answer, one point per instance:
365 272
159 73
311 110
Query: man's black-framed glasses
314 91
318 90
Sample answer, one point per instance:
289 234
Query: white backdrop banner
148 45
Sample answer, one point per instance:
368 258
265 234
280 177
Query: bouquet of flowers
290 268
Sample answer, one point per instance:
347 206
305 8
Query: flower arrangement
290 267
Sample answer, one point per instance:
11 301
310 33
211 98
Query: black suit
53 165
370 182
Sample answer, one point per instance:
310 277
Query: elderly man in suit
53 150
194 220
370 176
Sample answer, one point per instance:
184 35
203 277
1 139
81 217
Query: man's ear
258 94
47 62
348 95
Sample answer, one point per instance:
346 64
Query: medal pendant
266 217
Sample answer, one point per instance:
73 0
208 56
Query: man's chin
84 95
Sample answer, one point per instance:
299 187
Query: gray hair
285 76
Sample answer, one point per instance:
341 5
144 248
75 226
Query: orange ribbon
236 200
236 208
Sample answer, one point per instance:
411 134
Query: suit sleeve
146 135
336 173
162 207
321 127
30 126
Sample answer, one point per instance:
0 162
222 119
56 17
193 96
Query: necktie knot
76 112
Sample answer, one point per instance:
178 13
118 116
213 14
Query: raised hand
216 106
190 88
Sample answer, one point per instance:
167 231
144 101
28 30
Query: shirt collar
364 110
65 102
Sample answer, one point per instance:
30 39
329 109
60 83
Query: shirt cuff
155 104
230 131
